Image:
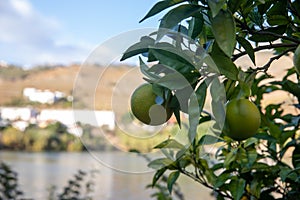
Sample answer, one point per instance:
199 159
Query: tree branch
192 176
267 66
264 47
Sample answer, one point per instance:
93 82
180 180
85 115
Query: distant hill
62 78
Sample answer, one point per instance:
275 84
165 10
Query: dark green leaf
160 6
138 48
172 179
255 187
237 187
224 63
157 175
175 16
234 5
222 178
267 35
230 158
248 47
173 57
195 26
275 20
296 156
291 87
223 28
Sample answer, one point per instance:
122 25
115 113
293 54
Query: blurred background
43 46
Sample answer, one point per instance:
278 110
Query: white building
15 113
42 96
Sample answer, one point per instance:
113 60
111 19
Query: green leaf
157 175
160 163
209 139
248 47
275 20
222 178
223 28
296 157
285 172
173 57
175 16
218 102
173 81
194 115
234 5
195 26
201 95
224 63
215 6
138 48
172 179
291 87
230 157
267 34
255 187
236 187
145 70
160 6
170 143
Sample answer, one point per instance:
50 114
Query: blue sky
64 31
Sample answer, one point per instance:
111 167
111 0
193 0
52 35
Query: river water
119 176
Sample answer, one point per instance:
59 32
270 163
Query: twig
267 66
264 47
192 176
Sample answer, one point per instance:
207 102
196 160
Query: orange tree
194 54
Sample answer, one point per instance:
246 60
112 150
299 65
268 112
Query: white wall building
15 113
42 96
22 117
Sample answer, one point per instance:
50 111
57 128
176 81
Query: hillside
63 79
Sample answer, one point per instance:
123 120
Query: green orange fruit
144 106
242 119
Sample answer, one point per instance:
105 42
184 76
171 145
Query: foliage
80 187
193 54
9 188
54 137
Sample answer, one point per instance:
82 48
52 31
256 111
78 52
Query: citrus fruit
242 119
144 106
296 59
